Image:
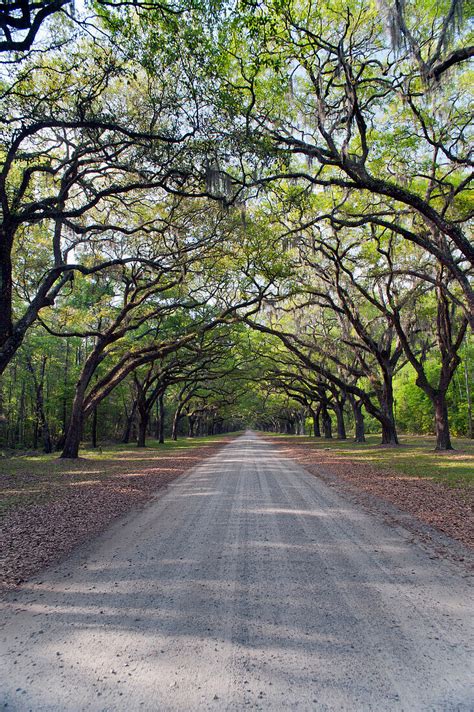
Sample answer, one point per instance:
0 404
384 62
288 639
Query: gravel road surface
248 584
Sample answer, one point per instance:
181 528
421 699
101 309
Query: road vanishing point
249 583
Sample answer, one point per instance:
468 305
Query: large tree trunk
210 426
143 413
389 433
128 424
385 398
176 419
72 440
326 421
94 428
443 438
6 287
142 428
359 426
341 426
316 427
161 412
199 426
301 420
191 424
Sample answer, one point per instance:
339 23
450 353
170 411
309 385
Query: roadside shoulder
436 516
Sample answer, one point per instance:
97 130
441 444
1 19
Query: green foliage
414 411
187 167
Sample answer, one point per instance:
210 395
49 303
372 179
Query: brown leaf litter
70 511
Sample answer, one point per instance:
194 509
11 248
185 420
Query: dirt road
248 584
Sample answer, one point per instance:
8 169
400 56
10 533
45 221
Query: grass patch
38 478
415 457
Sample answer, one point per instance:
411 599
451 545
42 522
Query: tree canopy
227 214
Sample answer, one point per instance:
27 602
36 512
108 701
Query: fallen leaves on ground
39 534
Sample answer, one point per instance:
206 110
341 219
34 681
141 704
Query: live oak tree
367 304
335 373
22 22
338 283
86 135
438 316
210 373
437 56
375 273
192 369
196 281
171 168
323 89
